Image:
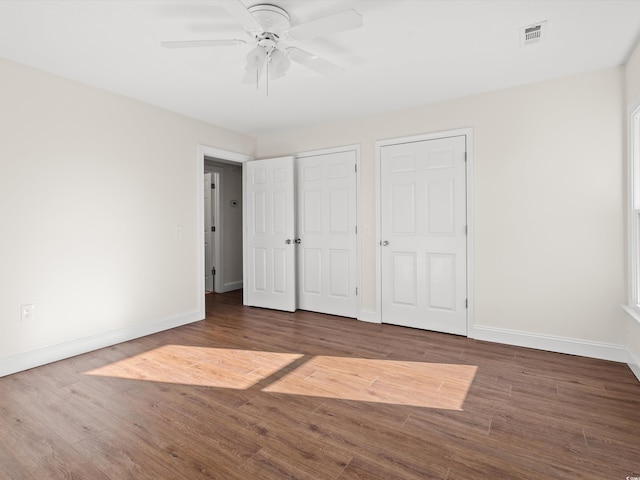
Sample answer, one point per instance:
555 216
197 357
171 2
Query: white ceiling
409 52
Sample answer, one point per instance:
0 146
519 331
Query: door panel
440 207
270 247
312 204
312 268
404 278
441 276
259 204
259 270
403 201
423 200
339 221
339 281
326 192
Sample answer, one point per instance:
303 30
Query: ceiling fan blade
338 22
242 15
315 63
203 43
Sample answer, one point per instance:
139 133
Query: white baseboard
36 358
231 286
634 364
571 346
368 316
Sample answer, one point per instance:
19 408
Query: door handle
288 241
297 241
384 243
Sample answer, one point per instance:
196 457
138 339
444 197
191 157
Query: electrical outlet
28 312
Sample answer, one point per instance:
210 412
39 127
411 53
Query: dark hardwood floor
256 394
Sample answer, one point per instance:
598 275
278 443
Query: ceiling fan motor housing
268 41
273 19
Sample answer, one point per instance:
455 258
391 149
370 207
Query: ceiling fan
269 28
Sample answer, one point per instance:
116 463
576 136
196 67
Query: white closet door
271 281
423 252
326 226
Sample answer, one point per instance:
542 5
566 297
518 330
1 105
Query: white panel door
271 281
326 226
423 234
208 235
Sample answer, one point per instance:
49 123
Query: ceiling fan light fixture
256 58
279 63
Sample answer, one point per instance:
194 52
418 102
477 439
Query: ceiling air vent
532 33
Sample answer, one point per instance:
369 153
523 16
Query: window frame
633 264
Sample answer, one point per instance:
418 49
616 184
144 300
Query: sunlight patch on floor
200 366
431 385
421 384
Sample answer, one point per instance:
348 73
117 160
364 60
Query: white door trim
348 148
230 156
468 133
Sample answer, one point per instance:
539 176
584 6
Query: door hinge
356 229
356 167
213 185
466 303
466 229
213 270
213 229
465 156
356 291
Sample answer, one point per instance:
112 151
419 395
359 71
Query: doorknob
288 241
297 241
384 243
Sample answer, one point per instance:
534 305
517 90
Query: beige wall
549 199
92 189
93 186
632 70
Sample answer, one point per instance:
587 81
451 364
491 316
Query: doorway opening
223 225
220 210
